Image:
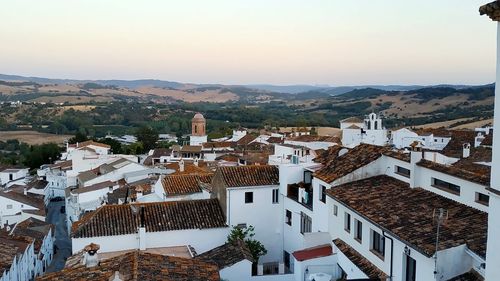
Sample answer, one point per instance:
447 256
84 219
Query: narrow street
62 241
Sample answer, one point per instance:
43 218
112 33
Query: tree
79 137
116 146
147 136
246 234
37 155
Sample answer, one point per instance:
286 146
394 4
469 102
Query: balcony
301 193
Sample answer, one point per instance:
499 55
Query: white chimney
196 162
181 165
116 277
25 191
142 238
466 150
90 257
416 154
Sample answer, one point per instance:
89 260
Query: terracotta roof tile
139 266
184 184
356 158
488 140
227 254
458 138
351 120
313 252
91 142
325 157
33 228
275 140
361 262
222 144
478 176
248 138
400 155
310 138
158 216
241 176
407 213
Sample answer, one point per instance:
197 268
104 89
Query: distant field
32 137
467 125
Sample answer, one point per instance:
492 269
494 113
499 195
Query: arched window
195 129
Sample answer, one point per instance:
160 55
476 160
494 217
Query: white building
16 207
371 131
199 223
436 140
11 176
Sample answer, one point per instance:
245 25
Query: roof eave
492 10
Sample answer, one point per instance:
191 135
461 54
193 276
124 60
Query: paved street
62 241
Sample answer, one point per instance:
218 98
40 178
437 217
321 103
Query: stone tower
198 124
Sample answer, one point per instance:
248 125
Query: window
411 269
9 206
307 176
347 222
248 197
288 217
276 194
482 198
402 171
446 186
286 260
335 210
241 225
305 223
378 244
322 195
358 230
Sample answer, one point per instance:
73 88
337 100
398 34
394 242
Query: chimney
139 192
25 191
181 165
416 154
116 277
196 161
142 230
466 150
90 257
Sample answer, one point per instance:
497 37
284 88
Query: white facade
372 132
197 140
404 137
11 175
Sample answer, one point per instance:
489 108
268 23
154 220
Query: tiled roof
474 176
227 254
63 165
275 140
246 139
37 184
30 199
407 213
10 247
356 158
91 142
353 127
325 157
184 184
33 228
398 155
455 148
191 149
255 158
492 10
241 176
488 140
139 266
222 144
313 253
310 138
93 187
361 262
189 168
160 216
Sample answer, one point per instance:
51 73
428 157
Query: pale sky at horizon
348 42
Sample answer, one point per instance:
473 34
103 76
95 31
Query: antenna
440 216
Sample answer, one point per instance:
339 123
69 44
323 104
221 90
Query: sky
282 42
